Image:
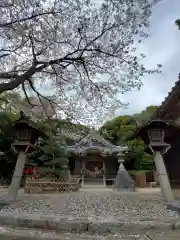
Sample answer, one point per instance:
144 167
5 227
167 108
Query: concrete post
16 179
163 177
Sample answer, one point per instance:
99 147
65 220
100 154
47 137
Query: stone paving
103 206
103 211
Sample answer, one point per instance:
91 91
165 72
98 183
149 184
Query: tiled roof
169 96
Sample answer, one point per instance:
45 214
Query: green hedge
138 172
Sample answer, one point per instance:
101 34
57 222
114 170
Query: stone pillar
155 177
163 177
16 179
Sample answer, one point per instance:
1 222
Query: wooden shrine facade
94 160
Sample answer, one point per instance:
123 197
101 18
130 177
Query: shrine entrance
94 170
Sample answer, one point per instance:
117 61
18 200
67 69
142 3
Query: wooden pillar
104 174
82 170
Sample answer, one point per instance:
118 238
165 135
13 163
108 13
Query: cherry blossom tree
83 51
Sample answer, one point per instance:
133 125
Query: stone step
9 233
93 182
65 224
93 186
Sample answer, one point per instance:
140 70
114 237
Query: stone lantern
25 136
153 134
123 181
155 131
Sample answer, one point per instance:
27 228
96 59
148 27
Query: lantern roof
169 128
24 120
152 124
25 133
25 123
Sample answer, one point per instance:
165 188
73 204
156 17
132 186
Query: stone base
125 189
5 201
174 206
124 182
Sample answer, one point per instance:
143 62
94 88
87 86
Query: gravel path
106 205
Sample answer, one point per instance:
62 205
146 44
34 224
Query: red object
27 171
30 170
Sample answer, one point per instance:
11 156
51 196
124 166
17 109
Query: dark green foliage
51 155
8 156
177 22
53 159
119 131
145 115
144 163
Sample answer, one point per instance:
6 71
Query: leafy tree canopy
145 115
51 158
120 129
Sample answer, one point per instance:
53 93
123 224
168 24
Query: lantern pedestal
16 180
123 181
163 177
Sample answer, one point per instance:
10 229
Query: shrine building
94 160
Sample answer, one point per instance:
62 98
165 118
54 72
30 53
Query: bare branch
17 81
4 55
26 95
8 24
8 75
33 49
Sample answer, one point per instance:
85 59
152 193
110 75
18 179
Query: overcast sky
162 47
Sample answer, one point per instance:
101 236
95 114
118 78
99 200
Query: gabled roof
94 136
94 141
